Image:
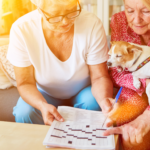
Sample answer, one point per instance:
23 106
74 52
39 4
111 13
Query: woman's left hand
133 132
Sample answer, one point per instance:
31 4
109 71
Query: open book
82 129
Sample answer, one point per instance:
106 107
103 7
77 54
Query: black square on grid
69 142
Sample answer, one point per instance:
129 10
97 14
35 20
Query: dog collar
143 63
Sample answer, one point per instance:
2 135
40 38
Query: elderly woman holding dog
58 52
132 25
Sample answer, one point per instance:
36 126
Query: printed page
82 129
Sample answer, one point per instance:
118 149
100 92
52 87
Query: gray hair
146 3
37 2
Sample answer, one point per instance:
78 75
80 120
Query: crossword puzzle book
80 130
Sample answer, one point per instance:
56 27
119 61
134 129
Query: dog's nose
109 64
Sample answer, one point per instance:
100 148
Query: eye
118 56
130 11
146 12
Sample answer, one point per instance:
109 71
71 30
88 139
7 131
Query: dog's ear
133 48
112 42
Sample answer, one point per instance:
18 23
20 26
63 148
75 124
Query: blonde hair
146 3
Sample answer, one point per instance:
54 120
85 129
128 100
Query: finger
117 130
132 138
110 123
126 137
57 115
139 139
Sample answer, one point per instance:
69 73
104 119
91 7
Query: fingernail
61 119
104 134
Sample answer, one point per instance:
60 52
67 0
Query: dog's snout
109 63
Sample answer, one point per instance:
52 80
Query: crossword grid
85 134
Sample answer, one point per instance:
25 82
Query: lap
84 99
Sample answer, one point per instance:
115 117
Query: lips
65 26
139 26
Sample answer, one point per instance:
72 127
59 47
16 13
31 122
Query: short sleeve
17 53
98 49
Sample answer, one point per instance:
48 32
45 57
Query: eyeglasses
57 19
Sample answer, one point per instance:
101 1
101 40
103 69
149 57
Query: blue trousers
24 113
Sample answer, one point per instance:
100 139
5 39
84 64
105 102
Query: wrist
146 116
147 111
42 105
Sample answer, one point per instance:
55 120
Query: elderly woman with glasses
132 25
58 52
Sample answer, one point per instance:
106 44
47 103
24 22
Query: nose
109 64
137 18
65 20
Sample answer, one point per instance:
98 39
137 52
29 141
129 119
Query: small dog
134 57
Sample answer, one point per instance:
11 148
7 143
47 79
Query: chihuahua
133 57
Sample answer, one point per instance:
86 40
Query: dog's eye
118 56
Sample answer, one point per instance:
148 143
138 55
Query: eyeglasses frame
60 15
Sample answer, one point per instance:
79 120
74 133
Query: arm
26 85
102 87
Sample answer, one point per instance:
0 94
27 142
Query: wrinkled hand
49 113
133 132
106 105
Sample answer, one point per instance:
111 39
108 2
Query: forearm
31 95
102 88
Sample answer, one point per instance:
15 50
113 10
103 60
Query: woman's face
54 9
138 16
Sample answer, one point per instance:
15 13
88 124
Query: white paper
80 130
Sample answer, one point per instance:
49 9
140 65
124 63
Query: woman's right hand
106 105
49 113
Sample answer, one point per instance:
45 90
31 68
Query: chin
140 31
64 30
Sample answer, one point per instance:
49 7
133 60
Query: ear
133 49
112 42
